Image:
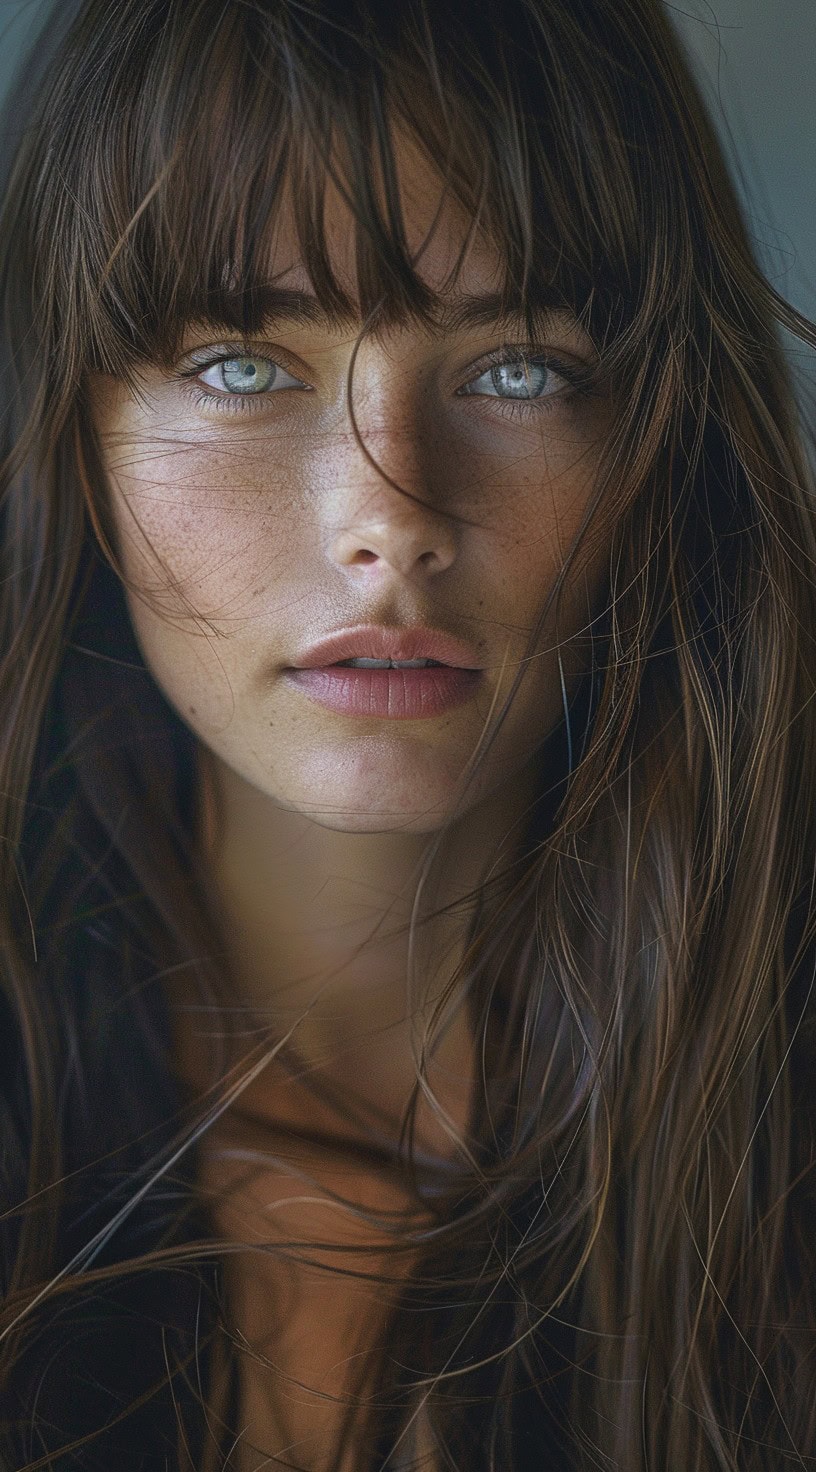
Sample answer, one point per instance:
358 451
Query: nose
385 522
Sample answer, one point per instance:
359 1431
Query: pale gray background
757 59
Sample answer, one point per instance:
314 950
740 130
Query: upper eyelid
576 372
210 352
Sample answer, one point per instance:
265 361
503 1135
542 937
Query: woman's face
257 526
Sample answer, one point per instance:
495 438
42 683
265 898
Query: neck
351 939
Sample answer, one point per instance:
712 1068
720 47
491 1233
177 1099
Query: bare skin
253 534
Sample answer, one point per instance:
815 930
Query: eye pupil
520 379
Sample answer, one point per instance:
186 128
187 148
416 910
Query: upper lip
382 641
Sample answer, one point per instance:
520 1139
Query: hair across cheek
200 527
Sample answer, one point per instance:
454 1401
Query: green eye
248 375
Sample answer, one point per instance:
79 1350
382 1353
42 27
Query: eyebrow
486 309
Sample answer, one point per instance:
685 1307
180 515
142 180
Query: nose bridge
386 510
391 483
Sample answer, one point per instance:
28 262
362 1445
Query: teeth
388 664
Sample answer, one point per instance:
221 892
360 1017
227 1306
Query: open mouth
386 672
362 663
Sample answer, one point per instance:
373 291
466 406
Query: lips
391 691
379 641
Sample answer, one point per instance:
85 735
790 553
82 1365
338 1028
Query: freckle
192 710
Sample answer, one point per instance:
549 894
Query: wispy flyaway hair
623 1278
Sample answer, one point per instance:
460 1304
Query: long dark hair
623 1275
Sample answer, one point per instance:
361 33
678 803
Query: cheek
204 530
526 470
541 517
212 544
533 522
223 542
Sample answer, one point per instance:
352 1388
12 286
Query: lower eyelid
564 391
207 395
227 403
527 409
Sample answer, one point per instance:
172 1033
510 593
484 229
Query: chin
374 791
368 820
368 811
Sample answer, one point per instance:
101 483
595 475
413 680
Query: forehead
299 149
339 239
451 255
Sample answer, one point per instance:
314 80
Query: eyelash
580 381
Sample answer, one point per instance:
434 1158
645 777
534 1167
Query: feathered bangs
208 120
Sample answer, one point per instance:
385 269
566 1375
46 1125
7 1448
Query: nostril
364 556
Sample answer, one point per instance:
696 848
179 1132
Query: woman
408 753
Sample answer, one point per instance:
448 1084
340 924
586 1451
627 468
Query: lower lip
396 695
